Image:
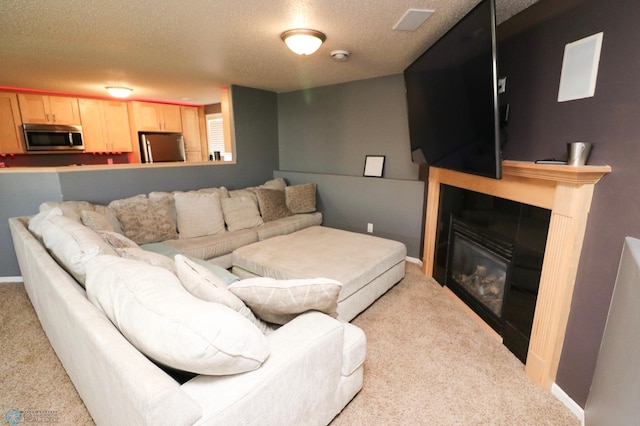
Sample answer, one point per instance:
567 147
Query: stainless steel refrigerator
161 147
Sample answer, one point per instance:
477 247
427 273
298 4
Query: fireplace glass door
477 271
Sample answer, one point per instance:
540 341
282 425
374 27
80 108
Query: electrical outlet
370 228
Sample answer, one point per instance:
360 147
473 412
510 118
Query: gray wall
325 134
393 206
331 129
255 116
531 49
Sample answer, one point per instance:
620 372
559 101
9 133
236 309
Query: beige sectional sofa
151 339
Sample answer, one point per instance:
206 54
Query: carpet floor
428 363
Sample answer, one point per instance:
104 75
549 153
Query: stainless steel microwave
49 137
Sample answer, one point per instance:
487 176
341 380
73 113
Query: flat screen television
452 98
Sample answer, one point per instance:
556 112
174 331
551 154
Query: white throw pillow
241 213
205 285
199 214
72 244
159 317
37 222
279 301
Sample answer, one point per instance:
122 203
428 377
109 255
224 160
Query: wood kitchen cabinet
41 109
193 132
152 117
105 125
11 136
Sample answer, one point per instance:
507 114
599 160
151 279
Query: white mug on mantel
578 153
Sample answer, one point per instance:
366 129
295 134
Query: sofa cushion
159 317
72 244
277 183
154 259
217 245
222 191
169 251
272 204
199 214
205 285
96 221
145 220
240 213
301 198
288 225
279 301
69 208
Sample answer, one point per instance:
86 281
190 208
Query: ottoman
367 266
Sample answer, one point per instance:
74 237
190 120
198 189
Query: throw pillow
161 319
279 301
222 191
272 204
116 240
145 220
153 259
110 215
71 209
96 221
72 244
205 285
277 183
199 214
37 222
301 198
240 213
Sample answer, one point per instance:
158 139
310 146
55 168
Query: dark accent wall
531 48
256 135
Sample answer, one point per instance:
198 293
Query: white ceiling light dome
119 92
303 41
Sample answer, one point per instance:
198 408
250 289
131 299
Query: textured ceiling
186 50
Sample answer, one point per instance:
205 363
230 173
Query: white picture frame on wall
374 165
580 68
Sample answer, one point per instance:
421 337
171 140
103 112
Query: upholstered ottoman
367 266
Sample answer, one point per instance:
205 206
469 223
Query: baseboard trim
11 279
568 402
413 260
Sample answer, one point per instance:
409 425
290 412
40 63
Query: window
215 136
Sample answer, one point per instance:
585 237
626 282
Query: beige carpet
428 363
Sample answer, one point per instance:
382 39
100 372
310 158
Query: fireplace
564 191
477 270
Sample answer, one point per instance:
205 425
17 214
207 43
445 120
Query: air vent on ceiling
412 19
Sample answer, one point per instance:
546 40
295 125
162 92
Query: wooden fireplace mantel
566 191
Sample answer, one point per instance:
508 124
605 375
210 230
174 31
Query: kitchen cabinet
11 136
105 125
40 109
153 117
194 145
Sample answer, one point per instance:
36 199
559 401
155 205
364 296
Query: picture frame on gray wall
373 166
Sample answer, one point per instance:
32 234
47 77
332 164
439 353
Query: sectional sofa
156 336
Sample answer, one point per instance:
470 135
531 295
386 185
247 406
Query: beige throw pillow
96 221
145 220
279 301
199 214
116 240
153 259
240 213
205 285
272 204
161 319
301 198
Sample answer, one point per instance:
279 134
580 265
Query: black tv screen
452 98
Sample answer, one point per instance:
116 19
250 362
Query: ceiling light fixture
303 41
119 92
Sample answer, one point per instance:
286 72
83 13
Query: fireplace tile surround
567 192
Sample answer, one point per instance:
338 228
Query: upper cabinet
11 136
193 132
105 125
152 117
40 109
